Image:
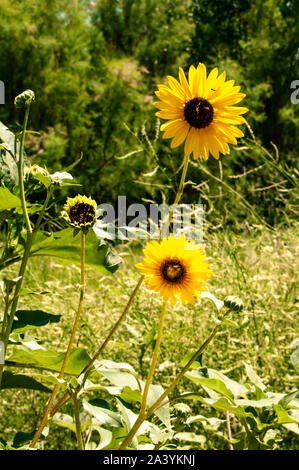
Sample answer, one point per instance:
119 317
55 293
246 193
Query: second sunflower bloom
201 112
175 268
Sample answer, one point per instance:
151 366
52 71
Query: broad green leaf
10 380
22 438
123 375
292 427
51 360
253 377
155 391
214 384
117 436
221 404
129 396
262 403
105 437
129 419
51 379
34 318
214 422
67 247
8 165
283 417
288 398
66 421
44 179
103 415
8 200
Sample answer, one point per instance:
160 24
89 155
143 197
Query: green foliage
94 69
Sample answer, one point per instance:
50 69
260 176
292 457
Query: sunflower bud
80 212
233 303
36 170
24 99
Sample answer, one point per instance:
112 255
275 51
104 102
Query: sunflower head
175 268
80 212
200 111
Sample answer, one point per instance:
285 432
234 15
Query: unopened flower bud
24 99
36 170
233 303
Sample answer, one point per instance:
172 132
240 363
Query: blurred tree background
94 66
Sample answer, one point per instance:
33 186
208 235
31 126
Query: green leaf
102 414
253 377
190 437
221 404
129 418
44 179
8 165
214 422
33 318
67 247
214 384
8 200
283 417
51 360
235 388
66 421
105 437
22 438
51 379
155 391
262 403
120 374
288 398
10 380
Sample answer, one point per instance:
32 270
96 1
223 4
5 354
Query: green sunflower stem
142 413
146 414
78 421
67 354
180 190
21 171
8 318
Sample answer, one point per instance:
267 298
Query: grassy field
259 267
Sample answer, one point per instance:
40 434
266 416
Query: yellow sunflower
80 211
201 112
175 268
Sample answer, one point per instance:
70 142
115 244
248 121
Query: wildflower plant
201 112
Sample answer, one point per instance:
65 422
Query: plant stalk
153 408
66 396
77 421
67 354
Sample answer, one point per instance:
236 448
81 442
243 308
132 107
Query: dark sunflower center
172 271
82 213
198 113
